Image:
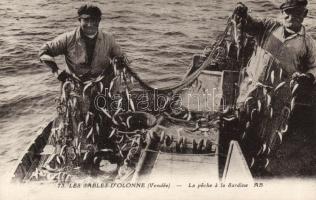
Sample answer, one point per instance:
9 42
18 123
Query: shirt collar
299 33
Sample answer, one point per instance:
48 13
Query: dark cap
88 10
293 3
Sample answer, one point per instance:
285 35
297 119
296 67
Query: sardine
247 99
189 116
269 149
115 68
247 125
229 119
97 128
128 121
264 147
243 135
121 140
259 152
119 103
106 150
80 126
294 89
285 129
280 136
90 133
267 163
292 82
95 159
268 100
87 117
132 104
85 157
293 103
58 160
101 87
62 150
106 112
112 133
253 114
259 105
114 121
162 136
252 162
124 146
272 77
279 86
86 87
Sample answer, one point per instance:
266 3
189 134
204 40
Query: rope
189 80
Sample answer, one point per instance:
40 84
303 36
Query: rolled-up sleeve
311 55
57 46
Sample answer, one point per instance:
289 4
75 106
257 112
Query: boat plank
185 167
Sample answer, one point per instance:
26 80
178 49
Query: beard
294 25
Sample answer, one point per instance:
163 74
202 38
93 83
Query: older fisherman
87 49
284 44
284 54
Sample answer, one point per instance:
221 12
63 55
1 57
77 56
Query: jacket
296 53
72 45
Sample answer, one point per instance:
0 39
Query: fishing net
104 123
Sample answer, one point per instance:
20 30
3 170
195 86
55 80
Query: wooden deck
185 167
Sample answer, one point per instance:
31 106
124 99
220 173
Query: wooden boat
31 158
182 150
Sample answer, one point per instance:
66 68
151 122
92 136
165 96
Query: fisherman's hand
241 10
302 86
62 76
52 65
121 61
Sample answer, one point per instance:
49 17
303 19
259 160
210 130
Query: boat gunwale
42 132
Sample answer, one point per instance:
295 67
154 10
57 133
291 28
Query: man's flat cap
293 3
88 10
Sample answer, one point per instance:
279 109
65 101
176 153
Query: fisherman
284 47
284 43
88 51
91 56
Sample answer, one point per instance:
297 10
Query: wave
175 33
22 104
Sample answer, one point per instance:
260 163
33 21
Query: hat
293 3
89 11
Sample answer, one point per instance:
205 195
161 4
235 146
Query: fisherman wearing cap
279 43
88 51
283 52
